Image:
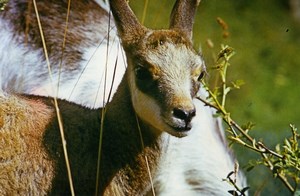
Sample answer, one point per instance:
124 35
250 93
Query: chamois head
163 68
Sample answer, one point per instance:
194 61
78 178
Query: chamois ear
127 23
182 16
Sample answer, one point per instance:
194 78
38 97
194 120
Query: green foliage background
267 42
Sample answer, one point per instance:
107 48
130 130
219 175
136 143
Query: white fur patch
89 88
16 63
201 157
103 4
23 70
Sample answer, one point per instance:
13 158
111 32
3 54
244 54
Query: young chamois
155 131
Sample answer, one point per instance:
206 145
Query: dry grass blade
146 159
102 111
55 102
144 12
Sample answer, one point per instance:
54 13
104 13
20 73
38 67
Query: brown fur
123 168
162 36
25 167
31 157
140 45
181 19
129 28
121 185
83 22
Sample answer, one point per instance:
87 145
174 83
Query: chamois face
164 76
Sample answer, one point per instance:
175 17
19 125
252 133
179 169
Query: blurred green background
266 39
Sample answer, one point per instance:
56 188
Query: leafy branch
231 179
284 161
237 191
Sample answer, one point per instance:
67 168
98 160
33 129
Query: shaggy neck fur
122 158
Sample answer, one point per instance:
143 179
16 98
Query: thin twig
226 53
258 147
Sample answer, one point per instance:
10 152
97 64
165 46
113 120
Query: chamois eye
201 76
143 73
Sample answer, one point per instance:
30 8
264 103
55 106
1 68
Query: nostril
193 113
178 113
185 115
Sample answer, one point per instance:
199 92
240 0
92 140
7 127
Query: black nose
183 114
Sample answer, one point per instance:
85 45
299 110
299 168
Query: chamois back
25 165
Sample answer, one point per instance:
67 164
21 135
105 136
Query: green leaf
277 148
226 52
238 83
248 126
287 143
230 174
227 90
233 192
250 168
243 191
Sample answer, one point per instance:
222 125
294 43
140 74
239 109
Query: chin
163 127
177 133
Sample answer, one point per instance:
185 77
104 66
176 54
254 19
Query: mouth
183 129
179 131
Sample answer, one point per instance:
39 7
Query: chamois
154 114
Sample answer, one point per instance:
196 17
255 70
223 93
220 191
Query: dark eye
201 76
143 73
